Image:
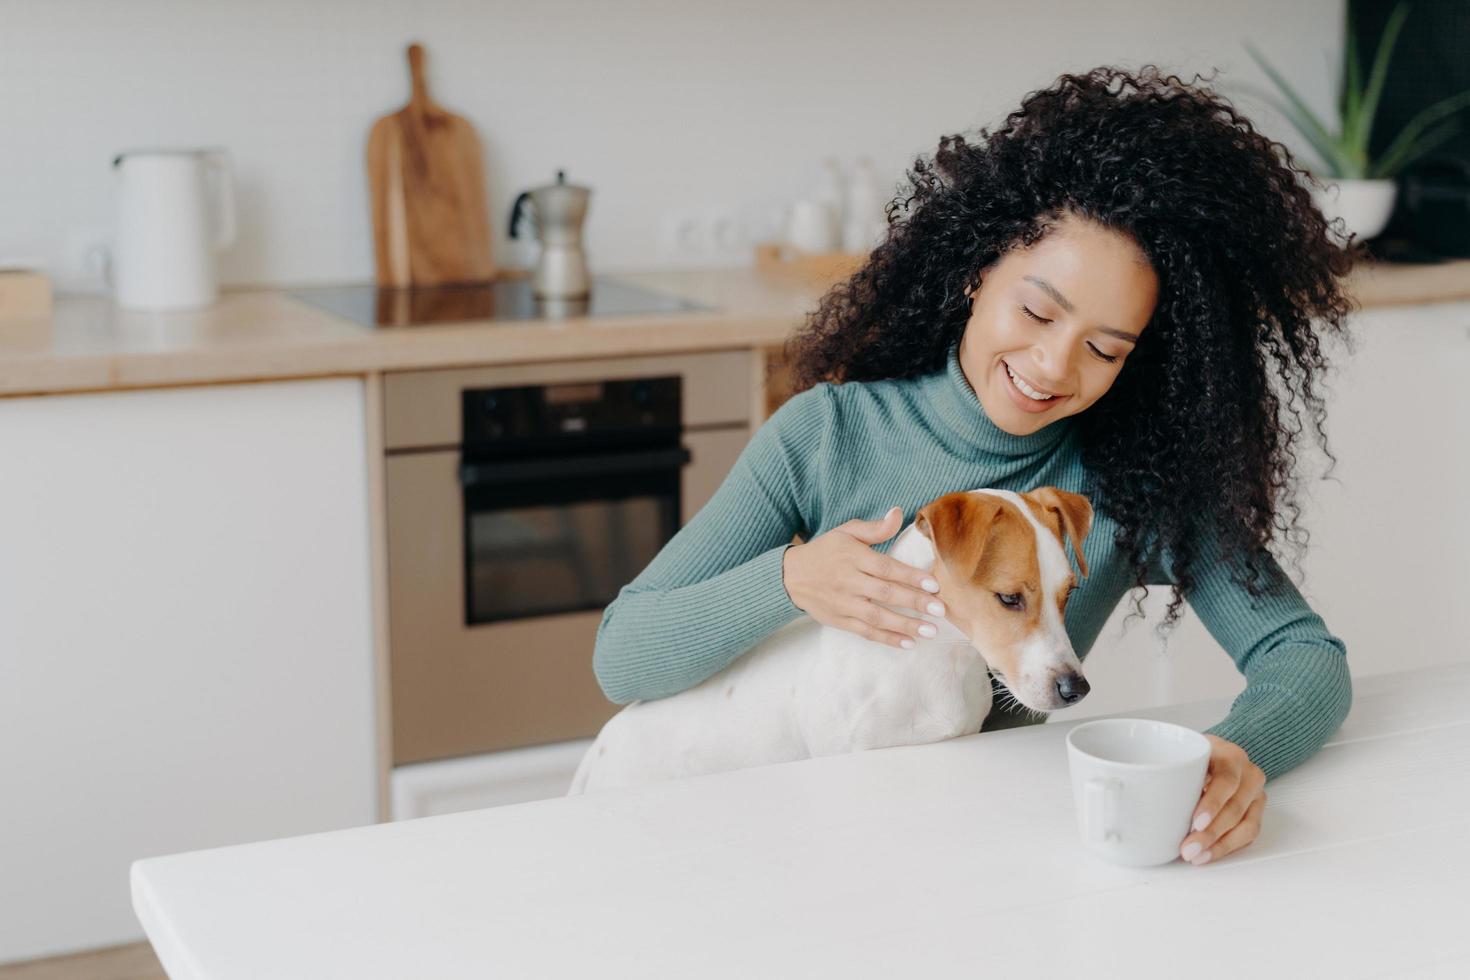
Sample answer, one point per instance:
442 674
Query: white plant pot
1363 205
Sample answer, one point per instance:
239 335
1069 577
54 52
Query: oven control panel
579 415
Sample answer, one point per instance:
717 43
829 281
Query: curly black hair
1191 426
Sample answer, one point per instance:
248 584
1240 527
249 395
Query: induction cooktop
504 299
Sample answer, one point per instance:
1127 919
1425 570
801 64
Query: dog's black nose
1073 687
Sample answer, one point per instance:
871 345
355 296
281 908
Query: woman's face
1063 315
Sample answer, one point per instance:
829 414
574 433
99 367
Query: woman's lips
1019 397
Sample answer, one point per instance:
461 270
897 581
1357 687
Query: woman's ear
1074 515
971 290
959 525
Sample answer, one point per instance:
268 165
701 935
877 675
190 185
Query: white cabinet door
1389 530
185 639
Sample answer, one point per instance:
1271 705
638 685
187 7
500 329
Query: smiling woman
1087 299
1128 243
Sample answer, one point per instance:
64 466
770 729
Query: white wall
664 108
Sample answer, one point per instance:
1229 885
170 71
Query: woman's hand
1228 816
835 578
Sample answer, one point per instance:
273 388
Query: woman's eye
1027 310
1011 600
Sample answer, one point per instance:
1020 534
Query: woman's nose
1053 365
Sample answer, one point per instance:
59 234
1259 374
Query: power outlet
705 236
727 236
678 238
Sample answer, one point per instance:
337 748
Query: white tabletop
954 859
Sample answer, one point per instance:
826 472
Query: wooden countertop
87 344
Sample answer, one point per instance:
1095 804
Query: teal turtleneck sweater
840 451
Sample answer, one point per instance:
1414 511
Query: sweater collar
949 394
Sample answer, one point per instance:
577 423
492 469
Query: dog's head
1004 577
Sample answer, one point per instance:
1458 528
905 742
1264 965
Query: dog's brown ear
959 525
1074 515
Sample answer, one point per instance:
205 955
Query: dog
811 690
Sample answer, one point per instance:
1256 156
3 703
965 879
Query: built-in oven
520 500
568 491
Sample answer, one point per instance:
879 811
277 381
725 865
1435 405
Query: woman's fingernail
936 609
907 643
1201 859
927 630
1190 850
931 585
1201 822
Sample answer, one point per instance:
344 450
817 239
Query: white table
954 859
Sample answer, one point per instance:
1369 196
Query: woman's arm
716 588
1298 690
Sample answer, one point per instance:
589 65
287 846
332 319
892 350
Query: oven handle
522 470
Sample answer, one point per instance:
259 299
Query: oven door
562 534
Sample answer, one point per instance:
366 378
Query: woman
1093 297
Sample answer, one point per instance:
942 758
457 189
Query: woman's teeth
1026 389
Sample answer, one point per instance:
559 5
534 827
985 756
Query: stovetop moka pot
556 212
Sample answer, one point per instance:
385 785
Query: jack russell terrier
809 689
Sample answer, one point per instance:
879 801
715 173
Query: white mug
1136 783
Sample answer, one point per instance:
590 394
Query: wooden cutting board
427 180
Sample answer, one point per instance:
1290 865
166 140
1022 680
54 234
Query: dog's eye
1011 600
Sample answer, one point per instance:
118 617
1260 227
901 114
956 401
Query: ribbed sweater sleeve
716 587
1298 690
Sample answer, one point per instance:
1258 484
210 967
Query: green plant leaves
1328 147
1350 100
1345 154
1369 107
1409 146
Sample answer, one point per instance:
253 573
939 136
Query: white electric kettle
175 209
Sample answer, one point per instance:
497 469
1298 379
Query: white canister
813 227
865 223
175 210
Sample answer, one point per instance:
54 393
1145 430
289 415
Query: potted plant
1362 190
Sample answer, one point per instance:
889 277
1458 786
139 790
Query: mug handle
1099 815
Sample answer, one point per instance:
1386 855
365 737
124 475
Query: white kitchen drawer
539 772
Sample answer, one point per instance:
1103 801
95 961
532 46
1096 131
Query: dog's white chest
858 694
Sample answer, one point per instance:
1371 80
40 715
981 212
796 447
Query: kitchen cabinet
486 678
186 643
539 772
